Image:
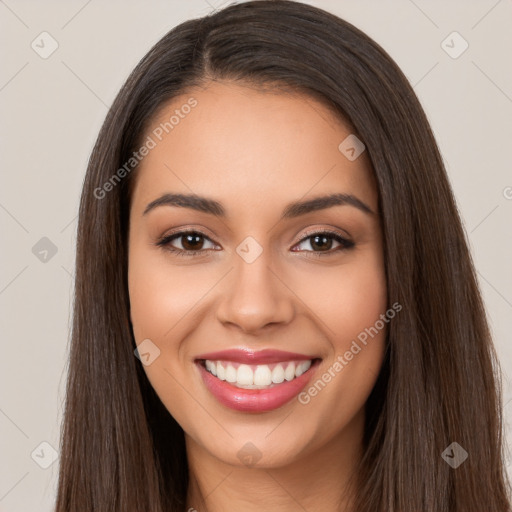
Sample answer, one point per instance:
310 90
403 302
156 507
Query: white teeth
244 375
211 367
221 372
230 374
289 373
278 374
256 376
302 367
262 376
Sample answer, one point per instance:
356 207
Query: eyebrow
292 210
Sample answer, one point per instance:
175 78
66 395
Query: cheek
160 298
161 294
345 299
349 302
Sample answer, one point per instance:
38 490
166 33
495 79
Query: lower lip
255 400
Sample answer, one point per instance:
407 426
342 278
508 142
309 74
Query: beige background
52 109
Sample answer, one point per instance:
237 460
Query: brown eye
192 241
322 242
186 242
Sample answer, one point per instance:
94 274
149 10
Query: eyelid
308 233
174 235
345 243
164 242
321 231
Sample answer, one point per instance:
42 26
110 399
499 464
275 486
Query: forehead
242 143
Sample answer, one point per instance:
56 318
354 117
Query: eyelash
166 240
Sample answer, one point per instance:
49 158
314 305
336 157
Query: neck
315 481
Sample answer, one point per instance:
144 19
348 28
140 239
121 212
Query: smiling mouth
257 376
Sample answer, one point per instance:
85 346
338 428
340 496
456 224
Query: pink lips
247 356
255 400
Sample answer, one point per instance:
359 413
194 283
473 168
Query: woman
267 224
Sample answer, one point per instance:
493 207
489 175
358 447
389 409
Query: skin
255 152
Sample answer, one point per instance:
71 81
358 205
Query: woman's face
265 339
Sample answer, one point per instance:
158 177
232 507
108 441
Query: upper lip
248 356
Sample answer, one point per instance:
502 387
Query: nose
255 297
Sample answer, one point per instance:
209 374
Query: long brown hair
122 451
